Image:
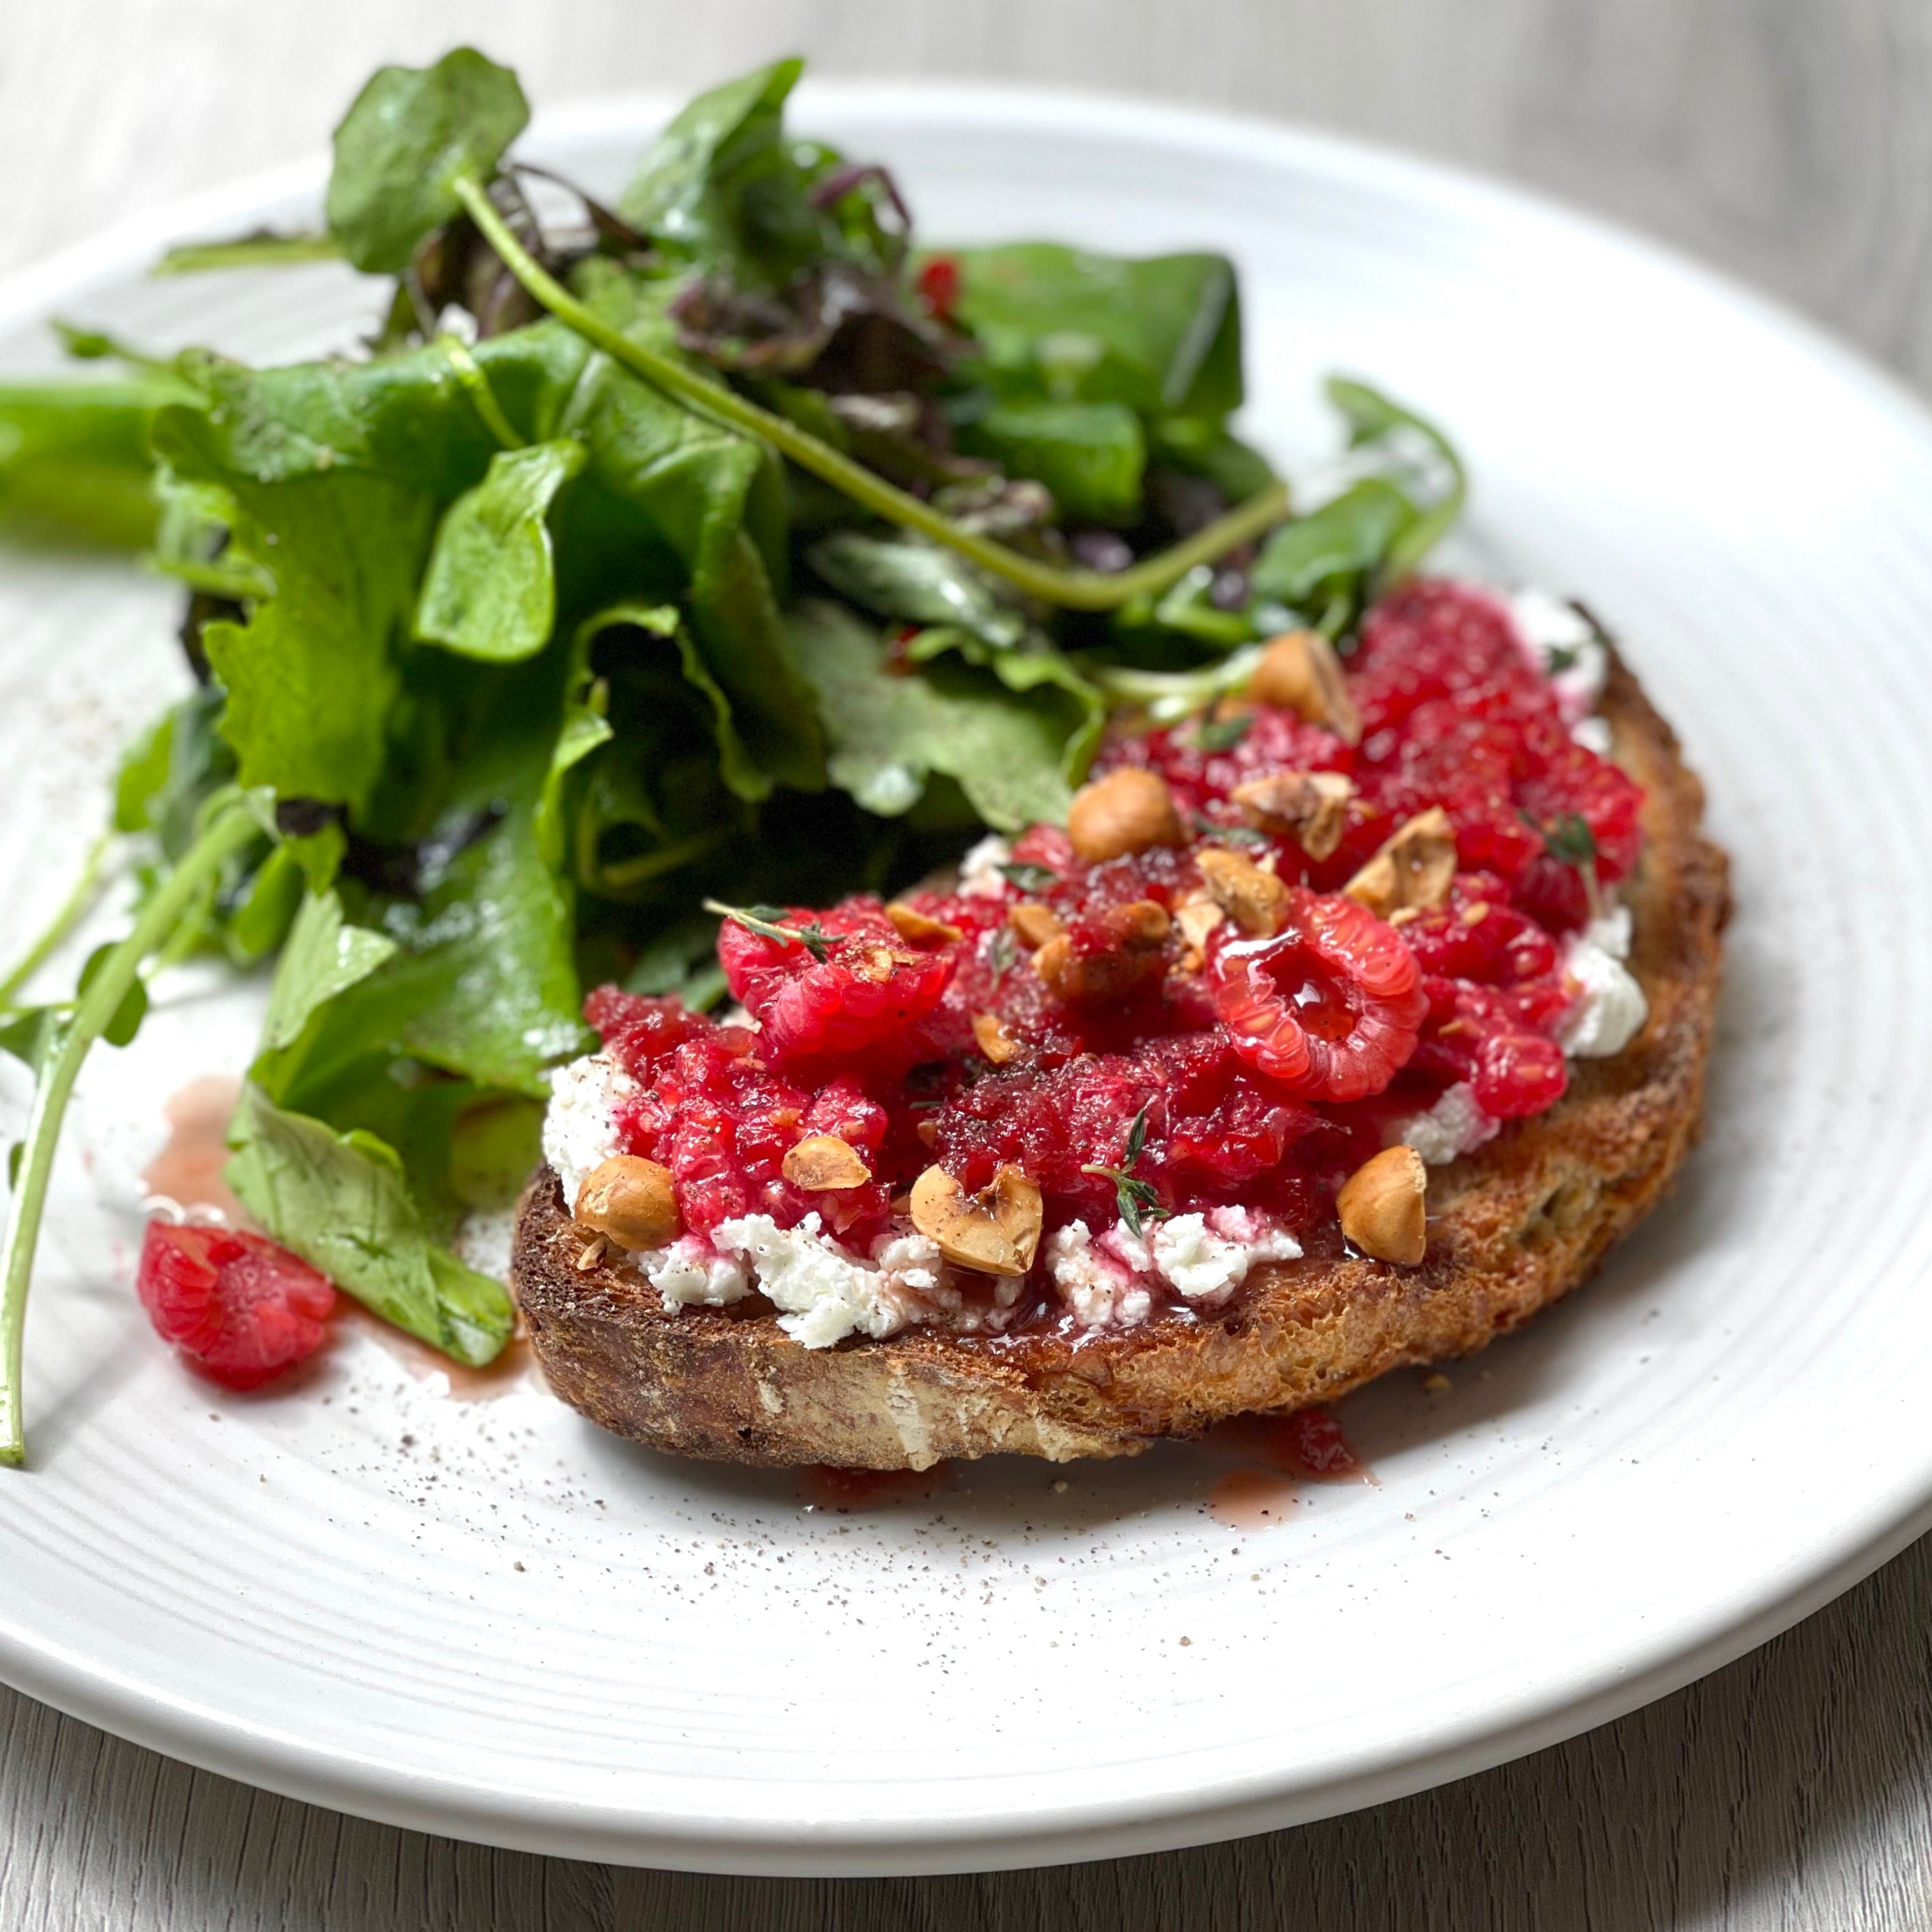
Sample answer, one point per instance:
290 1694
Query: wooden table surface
1787 141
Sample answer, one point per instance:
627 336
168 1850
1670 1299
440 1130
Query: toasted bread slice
1510 1229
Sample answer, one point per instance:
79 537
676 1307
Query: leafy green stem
73 909
1171 694
251 251
229 828
476 385
1072 589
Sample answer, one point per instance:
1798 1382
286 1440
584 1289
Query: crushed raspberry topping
1184 1028
238 1307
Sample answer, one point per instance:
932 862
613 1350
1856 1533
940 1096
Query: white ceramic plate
487 1618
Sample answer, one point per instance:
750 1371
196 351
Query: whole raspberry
841 982
1330 1007
241 1309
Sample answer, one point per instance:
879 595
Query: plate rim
1728 1627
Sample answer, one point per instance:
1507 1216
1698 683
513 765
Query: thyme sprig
768 923
1135 1199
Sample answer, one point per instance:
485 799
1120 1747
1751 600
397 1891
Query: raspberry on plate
238 1307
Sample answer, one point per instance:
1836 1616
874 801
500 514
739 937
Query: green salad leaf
1376 419
410 133
75 463
339 1201
721 186
1162 335
889 734
323 956
490 589
1091 455
903 576
1329 553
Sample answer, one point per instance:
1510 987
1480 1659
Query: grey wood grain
1787 141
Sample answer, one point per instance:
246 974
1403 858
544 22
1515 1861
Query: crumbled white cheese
1107 1280
690 1273
1455 1125
979 874
912 1259
1564 646
825 1291
1593 734
1610 1007
1206 1257
1100 1291
579 1131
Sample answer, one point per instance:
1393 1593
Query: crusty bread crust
1510 1229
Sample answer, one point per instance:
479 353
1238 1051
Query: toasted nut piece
1413 870
1312 808
1140 922
1195 918
1256 901
631 1201
1383 1207
1125 811
1301 672
996 1230
1055 964
875 964
995 1043
823 1164
593 1253
1035 923
910 923
1135 933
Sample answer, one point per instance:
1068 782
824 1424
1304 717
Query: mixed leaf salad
723 548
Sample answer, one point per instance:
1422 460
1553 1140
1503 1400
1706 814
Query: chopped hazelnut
1195 918
1125 811
911 924
1383 1207
996 1230
1256 901
823 1163
875 964
1301 672
630 1200
1311 807
1413 870
995 1043
1035 923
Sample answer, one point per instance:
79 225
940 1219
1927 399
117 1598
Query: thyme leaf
1568 839
1028 878
1215 733
767 922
